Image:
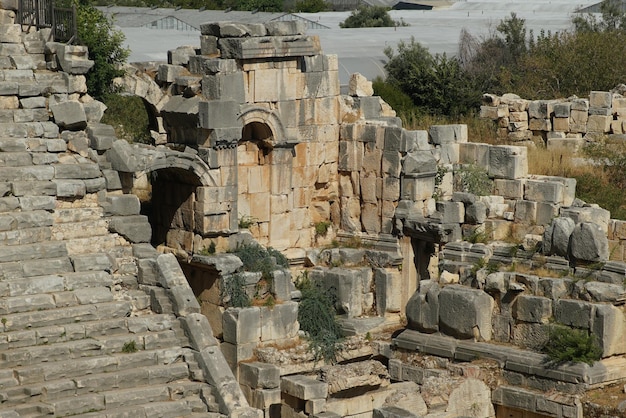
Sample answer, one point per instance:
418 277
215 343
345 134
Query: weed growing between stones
130 347
568 344
208 250
246 222
233 293
321 228
316 315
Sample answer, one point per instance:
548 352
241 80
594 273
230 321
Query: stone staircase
80 333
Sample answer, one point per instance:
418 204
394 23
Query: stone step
21 286
70 369
66 315
44 301
178 408
154 377
80 331
90 347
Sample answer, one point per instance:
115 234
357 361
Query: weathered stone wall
558 123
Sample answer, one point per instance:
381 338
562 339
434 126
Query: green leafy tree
370 17
260 5
105 44
436 84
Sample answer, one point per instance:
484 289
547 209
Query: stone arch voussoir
251 114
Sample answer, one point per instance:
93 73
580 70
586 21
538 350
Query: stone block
451 212
608 326
442 134
123 205
198 330
599 124
474 153
69 115
303 387
224 86
544 191
534 309
417 189
242 325
590 213
589 242
508 162
600 99
562 110
134 228
259 375
422 309
540 109
419 162
526 212
388 285
216 114
574 313
279 323
465 313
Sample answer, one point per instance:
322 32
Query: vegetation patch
257 258
130 347
316 315
233 291
371 17
567 344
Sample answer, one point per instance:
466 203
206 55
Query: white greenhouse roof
359 50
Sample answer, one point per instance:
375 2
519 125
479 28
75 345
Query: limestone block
451 212
208 45
224 86
273 47
134 228
544 191
350 155
608 326
216 114
123 205
599 123
546 212
540 109
534 309
347 284
561 124
388 285
303 387
422 309
591 213
490 112
579 117
69 115
574 313
419 162
278 28
471 398
441 134
416 189
535 124
508 162
562 110
241 325
600 99
589 242
518 126
279 323
359 86
465 313
476 213
259 375
474 153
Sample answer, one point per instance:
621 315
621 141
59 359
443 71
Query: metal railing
43 14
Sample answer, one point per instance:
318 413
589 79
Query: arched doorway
254 171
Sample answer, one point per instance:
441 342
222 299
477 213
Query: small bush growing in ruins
474 179
128 115
321 228
246 222
234 292
316 315
130 347
208 250
567 344
255 257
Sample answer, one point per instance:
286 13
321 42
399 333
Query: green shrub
474 179
311 6
321 228
316 315
208 250
568 344
127 114
246 221
257 258
234 291
371 17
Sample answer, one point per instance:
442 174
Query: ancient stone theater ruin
117 260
